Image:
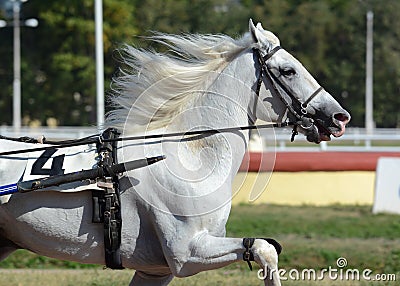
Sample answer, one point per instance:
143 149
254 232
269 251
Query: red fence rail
313 161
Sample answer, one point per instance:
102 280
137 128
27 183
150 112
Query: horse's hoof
276 244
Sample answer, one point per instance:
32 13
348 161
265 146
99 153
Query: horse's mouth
324 133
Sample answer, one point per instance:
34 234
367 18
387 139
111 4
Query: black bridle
304 119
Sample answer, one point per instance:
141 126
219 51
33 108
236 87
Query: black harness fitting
248 255
107 202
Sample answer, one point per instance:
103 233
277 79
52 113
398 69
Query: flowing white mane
157 85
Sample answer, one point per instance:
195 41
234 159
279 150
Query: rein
98 138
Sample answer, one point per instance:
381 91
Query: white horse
174 212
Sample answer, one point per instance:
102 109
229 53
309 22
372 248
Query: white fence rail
355 139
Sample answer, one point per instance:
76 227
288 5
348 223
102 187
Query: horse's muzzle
323 129
339 119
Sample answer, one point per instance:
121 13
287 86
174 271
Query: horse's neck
224 104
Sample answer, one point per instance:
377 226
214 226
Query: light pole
17 24
99 63
17 68
369 119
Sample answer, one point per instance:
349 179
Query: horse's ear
252 30
259 26
257 34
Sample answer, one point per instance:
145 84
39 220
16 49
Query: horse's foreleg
207 252
143 279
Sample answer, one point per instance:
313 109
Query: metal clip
306 123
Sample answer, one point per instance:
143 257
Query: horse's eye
287 71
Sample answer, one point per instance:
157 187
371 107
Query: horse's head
318 114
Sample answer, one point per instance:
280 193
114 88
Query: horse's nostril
342 117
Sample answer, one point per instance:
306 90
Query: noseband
303 118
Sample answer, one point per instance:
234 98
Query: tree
327 36
58 64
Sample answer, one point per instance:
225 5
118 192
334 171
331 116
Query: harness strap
304 105
24 139
263 69
285 102
271 53
111 202
275 79
304 119
251 115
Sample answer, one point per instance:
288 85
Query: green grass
312 237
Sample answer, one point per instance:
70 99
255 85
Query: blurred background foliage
327 36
